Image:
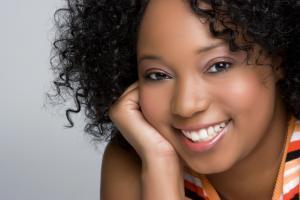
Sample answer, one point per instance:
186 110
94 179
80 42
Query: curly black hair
94 52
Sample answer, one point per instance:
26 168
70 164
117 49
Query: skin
193 88
181 51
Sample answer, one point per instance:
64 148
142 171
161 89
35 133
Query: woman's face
205 100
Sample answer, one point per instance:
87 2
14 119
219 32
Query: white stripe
293 183
193 180
292 170
295 136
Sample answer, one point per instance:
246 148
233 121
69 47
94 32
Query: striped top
287 187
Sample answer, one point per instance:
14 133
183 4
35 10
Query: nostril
188 108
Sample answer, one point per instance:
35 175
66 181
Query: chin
218 166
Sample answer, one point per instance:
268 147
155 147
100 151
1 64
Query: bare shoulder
120 176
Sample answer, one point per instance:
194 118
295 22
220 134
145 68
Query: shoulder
120 176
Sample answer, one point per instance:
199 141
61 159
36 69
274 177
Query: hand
162 172
128 118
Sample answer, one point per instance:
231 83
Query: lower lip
204 145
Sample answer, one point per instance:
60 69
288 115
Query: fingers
130 88
131 122
129 100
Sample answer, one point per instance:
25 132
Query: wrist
160 156
163 162
162 179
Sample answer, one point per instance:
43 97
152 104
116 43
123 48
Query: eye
157 76
219 67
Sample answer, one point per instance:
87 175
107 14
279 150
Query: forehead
171 24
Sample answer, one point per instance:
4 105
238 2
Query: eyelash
221 64
223 67
162 74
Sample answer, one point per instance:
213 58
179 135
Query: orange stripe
210 190
291 193
279 180
295 145
195 188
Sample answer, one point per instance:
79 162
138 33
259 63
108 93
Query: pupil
222 65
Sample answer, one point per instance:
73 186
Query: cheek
154 104
249 100
247 94
243 94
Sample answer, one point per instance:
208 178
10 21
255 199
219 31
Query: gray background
39 158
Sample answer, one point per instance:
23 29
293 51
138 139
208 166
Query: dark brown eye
157 76
219 67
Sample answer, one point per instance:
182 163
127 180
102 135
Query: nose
190 97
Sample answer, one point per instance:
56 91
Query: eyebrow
198 51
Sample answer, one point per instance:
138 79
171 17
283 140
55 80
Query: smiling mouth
205 134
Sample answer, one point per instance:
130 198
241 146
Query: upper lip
196 127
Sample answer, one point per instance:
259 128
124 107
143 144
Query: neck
259 169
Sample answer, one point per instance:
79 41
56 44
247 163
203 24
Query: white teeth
217 128
204 134
211 131
195 136
187 134
222 125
